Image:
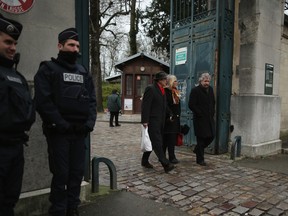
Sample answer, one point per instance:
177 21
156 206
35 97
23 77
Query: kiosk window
141 83
129 85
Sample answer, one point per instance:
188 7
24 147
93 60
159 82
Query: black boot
168 167
72 212
145 160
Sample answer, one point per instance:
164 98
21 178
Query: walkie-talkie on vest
16 60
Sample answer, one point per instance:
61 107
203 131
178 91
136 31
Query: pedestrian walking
114 107
153 116
202 104
65 100
172 126
17 114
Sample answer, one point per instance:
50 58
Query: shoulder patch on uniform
14 79
70 77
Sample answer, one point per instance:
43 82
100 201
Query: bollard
95 173
236 148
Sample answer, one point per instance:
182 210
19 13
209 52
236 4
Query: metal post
95 173
82 25
236 148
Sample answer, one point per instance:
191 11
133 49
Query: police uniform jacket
65 95
17 112
202 104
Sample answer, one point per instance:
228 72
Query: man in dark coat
153 116
202 104
114 107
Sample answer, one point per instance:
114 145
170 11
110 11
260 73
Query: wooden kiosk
137 72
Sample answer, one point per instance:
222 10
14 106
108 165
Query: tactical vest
17 112
70 93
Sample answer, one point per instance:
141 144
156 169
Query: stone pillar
256 115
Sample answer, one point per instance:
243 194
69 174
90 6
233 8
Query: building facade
243 45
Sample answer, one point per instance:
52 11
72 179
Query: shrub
107 89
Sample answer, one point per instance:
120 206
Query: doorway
141 82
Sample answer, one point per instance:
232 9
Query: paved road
222 188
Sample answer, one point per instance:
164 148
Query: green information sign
181 56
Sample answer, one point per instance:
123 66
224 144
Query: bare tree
133 28
102 17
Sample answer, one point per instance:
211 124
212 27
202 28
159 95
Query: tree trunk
133 28
95 51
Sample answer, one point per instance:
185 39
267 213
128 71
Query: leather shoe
168 167
72 212
111 126
194 151
147 165
118 125
174 161
202 163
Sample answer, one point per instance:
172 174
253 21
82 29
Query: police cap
10 27
70 33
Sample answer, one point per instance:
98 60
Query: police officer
65 100
16 117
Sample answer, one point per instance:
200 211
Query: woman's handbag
184 129
146 145
179 139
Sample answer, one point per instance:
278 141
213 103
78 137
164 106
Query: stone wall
255 115
283 87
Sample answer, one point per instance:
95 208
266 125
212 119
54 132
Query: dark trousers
66 162
156 137
169 142
11 175
202 143
112 115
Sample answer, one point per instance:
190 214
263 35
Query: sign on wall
180 56
128 104
16 6
269 70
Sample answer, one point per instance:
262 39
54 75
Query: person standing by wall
202 104
65 99
114 107
172 127
153 116
17 114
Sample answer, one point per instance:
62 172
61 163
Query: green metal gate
202 40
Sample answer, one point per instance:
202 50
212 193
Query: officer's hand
65 128
81 129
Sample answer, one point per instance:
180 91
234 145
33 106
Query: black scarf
67 56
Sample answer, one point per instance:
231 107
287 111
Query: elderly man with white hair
202 104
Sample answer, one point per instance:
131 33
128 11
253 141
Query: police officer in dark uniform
16 117
65 99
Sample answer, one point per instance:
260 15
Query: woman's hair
203 76
170 80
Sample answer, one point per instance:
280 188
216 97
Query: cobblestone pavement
221 188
